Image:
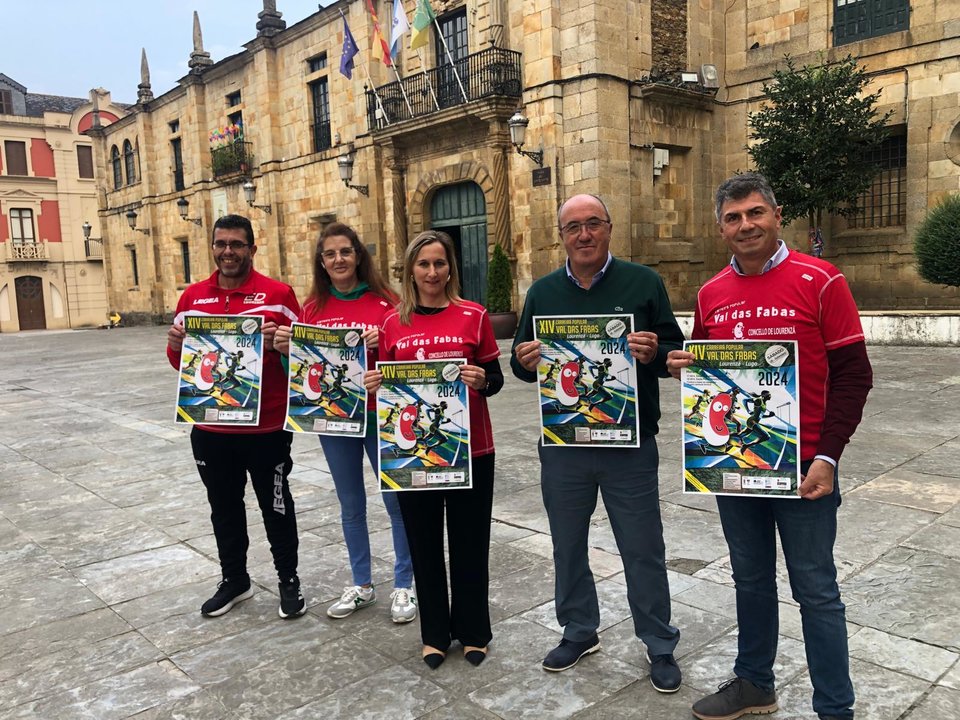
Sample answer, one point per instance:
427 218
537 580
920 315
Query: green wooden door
461 211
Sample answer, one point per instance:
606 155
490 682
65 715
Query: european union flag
350 49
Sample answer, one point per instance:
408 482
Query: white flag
400 26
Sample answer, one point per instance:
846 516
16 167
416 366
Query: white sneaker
403 609
353 599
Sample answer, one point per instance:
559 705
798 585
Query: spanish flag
378 36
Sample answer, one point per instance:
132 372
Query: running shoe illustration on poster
325 392
741 413
587 380
423 414
221 365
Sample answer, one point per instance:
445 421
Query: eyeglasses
345 253
235 245
591 226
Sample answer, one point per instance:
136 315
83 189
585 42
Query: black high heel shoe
433 657
475 655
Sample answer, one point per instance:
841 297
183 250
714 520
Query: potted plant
500 295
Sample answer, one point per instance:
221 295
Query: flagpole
450 58
397 30
426 75
370 80
402 90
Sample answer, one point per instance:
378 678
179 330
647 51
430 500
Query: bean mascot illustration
715 430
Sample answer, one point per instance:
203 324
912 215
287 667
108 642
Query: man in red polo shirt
771 292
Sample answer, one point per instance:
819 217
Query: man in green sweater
594 282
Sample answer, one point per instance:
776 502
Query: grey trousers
627 480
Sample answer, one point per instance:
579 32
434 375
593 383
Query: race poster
741 416
325 392
423 414
587 381
221 366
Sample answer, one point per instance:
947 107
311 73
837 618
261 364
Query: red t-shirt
804 299
457 331
259 295
367 311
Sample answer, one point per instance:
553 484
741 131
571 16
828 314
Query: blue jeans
345 458
807 531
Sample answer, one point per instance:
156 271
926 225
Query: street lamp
345 165
183 206
132 222
518 131
250 193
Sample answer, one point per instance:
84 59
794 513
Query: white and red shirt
458 331
802 298
367 311
259 295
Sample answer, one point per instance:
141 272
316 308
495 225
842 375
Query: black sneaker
736 698
292 603
229 593
664 673
568 653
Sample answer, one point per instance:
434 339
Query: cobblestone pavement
106 553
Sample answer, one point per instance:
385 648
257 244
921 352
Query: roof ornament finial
199 60
270 22
95 97
144 92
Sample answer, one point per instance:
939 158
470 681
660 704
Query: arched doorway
461 211
30 310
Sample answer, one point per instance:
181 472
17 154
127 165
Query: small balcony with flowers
230 154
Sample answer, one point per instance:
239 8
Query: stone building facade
51 275
644 103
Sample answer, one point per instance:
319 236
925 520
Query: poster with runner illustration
423 414
221 366
741 414
325 392
587 381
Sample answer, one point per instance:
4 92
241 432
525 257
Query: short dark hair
739 186
232 222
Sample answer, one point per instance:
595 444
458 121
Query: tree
814 137
499 282
937 244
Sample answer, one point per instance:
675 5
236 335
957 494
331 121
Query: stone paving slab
106 553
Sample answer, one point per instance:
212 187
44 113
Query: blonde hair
409 296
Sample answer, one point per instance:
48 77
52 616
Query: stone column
398 201
501 197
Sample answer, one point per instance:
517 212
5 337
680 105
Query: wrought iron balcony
26 251
494 72
235 158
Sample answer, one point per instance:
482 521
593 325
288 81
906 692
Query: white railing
26 251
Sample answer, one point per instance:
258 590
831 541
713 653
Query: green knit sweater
625 288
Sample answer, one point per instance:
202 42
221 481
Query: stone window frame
117 167
129 162
870 19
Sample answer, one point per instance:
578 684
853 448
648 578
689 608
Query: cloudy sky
84 45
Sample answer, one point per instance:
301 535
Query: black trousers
223 461
464 614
